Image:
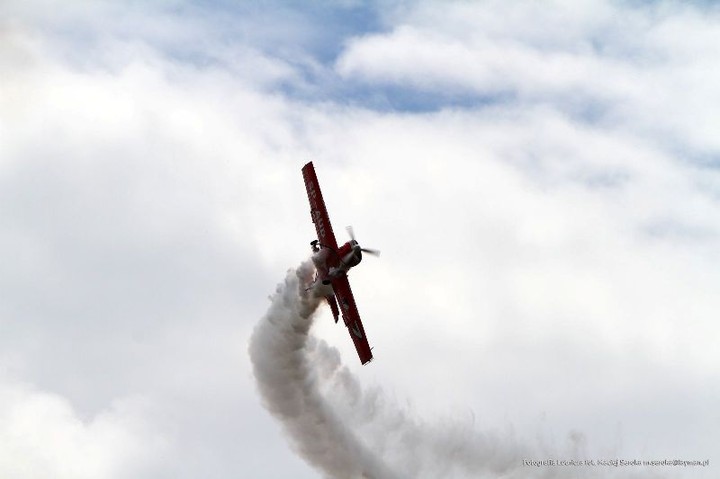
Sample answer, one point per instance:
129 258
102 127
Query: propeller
351 233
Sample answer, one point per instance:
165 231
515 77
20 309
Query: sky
542 179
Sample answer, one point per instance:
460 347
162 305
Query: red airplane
332 265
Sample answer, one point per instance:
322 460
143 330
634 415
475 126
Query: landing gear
314 245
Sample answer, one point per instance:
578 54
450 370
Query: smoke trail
288 381
346 431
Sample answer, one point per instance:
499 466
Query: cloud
44 436
128 255
555 203
344 430
645 68
526 234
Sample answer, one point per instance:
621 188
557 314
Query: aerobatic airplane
332 265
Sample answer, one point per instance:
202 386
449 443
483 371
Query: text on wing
315 212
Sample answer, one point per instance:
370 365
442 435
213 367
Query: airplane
333 264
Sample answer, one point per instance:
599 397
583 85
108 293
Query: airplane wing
319 214
350 314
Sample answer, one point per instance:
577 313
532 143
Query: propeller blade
369 251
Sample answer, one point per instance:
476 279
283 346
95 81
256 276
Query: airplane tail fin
333 306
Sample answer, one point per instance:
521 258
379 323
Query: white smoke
346 431
289 381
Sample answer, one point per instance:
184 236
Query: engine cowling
350 254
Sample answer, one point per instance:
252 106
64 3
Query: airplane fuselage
331 264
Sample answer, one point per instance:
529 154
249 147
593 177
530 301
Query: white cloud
42 435
130 254
648 69
551 255
523 272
